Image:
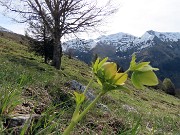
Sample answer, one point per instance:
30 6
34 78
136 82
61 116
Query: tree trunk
45 54
57 54
45 45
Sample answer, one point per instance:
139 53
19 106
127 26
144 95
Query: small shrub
169 87
2 34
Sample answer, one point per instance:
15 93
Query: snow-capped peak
166 36
116 37
145 37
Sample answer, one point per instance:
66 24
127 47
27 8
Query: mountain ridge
126 40
5 30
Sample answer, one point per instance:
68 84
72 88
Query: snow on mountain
163 36
119 40
123 41
166 36
144 38
147 39
116 37
80 44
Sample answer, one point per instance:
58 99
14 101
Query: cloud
134 17
138 16
11 25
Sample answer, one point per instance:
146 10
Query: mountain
160 48
119 41
4 30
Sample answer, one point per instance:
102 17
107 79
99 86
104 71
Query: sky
134 17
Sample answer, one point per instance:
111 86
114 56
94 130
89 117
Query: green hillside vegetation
25 80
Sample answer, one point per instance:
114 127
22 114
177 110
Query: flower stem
86 89
69 128
90 106
77 118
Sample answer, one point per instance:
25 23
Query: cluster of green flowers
109 78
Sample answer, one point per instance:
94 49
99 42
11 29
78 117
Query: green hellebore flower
108 77
109 74
142 74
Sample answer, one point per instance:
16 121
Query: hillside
32 87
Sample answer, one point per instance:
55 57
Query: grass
37 83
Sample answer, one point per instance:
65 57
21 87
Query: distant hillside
4 30
13 36
161 48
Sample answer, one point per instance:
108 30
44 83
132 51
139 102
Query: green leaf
79 98
99 82
95 65
147 68
102 62
126 90
135 81
133 61
141 65
148 78
107 87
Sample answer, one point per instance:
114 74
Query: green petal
102 62
148 78
120 78
110 69
135 81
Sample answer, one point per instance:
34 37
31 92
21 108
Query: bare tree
43 43
61 17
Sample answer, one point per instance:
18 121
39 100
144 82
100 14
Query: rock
17 122
40 108
103 107
21 109
28 104
74 85
20 119
129 108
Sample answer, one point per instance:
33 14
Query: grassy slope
159 112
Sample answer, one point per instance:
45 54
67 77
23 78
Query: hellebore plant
109 78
